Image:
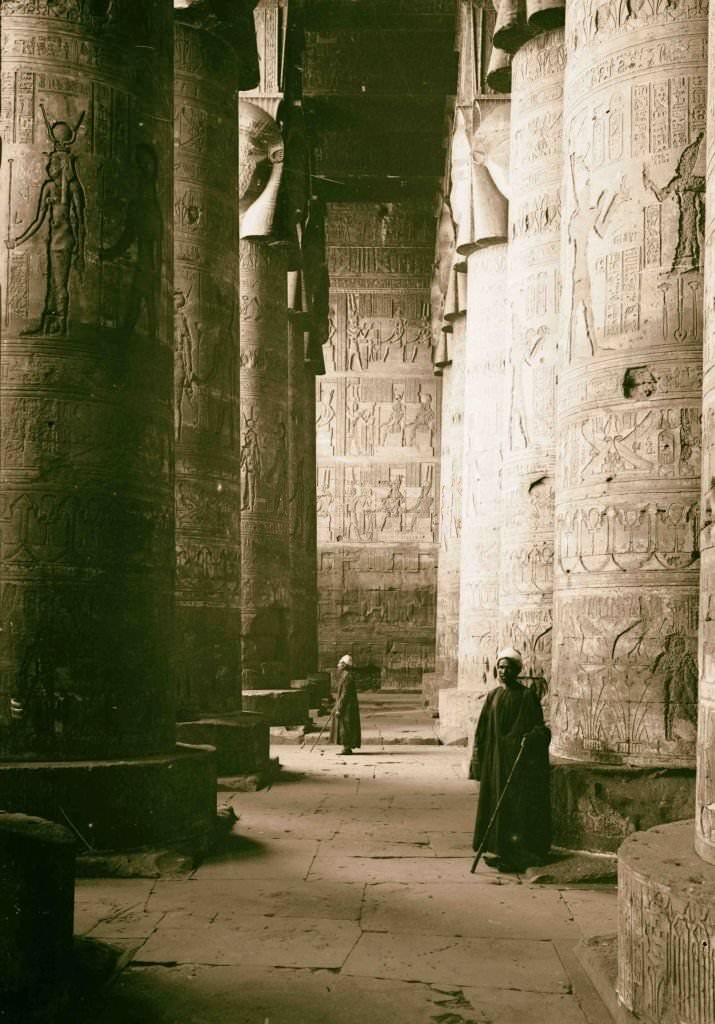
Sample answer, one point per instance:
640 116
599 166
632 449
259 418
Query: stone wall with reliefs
450 509
378 419
206 371
705 785
526 577
86 446
627 540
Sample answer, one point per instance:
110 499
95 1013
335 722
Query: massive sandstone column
450 515
485 348
206 375
534 285
627 543
86 446
265 414
705 786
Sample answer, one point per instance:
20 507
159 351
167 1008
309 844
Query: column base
458 713
161 803
596 807
666 949
278 707
241 741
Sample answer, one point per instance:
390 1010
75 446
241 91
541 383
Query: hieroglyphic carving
87 445
537 223
705 784
627 518
378 409
206 349
265 419
486 346
450 512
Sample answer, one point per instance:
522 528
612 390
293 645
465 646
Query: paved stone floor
343 896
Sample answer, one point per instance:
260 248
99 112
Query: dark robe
345 727
521 833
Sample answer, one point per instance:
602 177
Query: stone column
485 348
86 445
265 413
484 362
450 516
705 786
303 653
624 687
534 284
666 893
206 374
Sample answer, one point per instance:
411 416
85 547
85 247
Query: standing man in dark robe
345 726
511 717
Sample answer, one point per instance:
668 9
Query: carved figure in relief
423 507
585 219
325 503
185 359
325 419
423 338
357 334
359 424
424 420
279 470
675 666
688 187
392 505
397 337
143 228
396 422
250 463
61 205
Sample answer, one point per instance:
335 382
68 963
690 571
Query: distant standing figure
345 728
521 833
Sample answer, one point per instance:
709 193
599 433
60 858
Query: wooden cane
483 843
323 728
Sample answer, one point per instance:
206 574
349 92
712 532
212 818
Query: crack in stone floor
343 895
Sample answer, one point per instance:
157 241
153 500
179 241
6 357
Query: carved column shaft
265 418
705 785
86 446
484 358
301 487
206 375
534 283
450 516
627 529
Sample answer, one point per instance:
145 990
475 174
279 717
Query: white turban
510 654
346 660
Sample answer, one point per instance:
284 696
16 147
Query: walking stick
323 728
483 843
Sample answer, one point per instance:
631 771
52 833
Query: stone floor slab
500 1006
340 867
98 899
256 941
595 913
468 911
208 898
523 964
244 858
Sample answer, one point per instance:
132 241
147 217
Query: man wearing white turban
345 728
512 717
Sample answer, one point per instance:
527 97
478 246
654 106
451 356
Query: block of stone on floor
133 817
37 868
279 707
241 742
566 867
